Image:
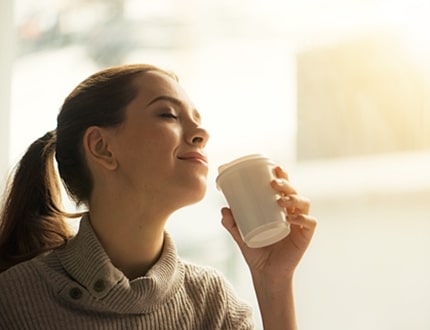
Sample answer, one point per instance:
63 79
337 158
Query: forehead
154 84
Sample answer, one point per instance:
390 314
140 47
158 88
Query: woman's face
160 145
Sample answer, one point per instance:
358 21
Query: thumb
229 224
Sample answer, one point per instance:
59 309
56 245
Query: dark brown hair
32 220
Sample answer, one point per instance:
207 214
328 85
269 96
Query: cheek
148 148
152 156
162 143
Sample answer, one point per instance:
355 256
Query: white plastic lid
238 163
240 160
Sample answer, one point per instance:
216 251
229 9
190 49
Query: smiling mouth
195 157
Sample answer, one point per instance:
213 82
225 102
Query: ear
97 148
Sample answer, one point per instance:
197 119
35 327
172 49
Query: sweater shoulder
25 277
17 287
204 275
208 288
24 272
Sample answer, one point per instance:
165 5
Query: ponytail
31 220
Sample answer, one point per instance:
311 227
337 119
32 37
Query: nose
199 136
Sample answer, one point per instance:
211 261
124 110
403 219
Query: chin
190 191
194 195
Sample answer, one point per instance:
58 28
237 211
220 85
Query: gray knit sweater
77 287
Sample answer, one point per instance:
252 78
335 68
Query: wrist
272 286
276 302
272 281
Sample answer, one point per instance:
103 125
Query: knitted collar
98 285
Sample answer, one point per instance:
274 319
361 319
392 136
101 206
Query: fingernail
279 181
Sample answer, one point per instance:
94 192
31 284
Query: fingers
304 221
289 199
283 187
302 228
282 184
280 173
295 204
229 224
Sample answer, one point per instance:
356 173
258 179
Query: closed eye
169 115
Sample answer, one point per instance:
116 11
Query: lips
194 157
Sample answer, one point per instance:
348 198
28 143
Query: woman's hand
278 261
272 267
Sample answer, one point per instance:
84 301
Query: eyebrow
175 101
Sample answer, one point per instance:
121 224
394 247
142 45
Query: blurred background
337 92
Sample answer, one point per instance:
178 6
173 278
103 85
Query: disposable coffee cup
245 183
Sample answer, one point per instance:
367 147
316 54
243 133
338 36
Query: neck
132 238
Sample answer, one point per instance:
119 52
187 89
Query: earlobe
97 148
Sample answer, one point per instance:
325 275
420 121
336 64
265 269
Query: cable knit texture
77 287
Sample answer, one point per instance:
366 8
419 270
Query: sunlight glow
417 29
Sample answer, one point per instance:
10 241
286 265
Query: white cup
245 183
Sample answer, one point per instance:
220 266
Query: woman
129 146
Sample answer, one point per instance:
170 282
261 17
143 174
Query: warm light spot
415 29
